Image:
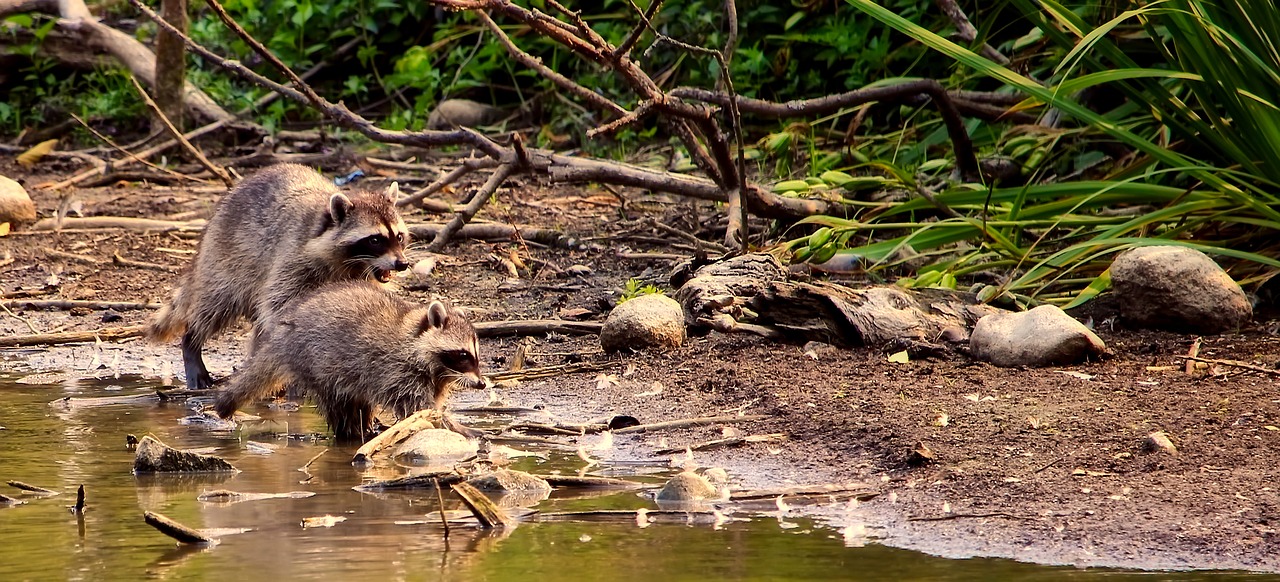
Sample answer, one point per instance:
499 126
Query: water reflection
389 535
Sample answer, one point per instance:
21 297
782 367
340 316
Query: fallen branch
32 488
536 327
177 135
119 222
175 530
689 422
494 232
119 260
552 371
721 443
71 337
484 509
859 490
65 304
1233 364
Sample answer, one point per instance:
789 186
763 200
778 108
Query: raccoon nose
401 265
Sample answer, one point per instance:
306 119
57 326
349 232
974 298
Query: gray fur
276 235
354 347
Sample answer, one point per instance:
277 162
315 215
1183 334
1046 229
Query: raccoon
279 233
353 346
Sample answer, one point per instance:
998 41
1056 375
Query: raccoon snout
400 264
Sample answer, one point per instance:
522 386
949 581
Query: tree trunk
171 62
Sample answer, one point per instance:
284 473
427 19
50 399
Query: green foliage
635 288
1206 72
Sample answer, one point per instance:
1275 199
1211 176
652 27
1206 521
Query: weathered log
175 530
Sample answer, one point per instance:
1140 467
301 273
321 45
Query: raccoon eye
400 237
377 241
459 360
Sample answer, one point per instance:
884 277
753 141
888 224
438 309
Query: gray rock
1177 289
1043 336
154 456
647 321
452 113
15 205
1159 442
435 446
508 481
690 486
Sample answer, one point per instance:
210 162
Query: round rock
690 486
15 205
508 481
452 113
647 321
1043 336
435 446
1177 289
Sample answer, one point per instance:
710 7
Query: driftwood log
753 294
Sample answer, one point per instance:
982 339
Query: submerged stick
440 498
176 530
78 508
32 488
486 511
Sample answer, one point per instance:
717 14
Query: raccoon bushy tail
169 322
260 379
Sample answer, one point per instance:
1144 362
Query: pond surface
384 536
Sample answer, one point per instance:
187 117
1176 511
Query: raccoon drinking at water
279 233
354 347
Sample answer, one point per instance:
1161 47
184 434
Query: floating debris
227 497
175 530
322 521
32 488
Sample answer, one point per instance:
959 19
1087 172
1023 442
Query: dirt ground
1044 465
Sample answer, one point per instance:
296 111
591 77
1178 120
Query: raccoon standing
354 347
280 232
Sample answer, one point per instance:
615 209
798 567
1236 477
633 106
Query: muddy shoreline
1034 465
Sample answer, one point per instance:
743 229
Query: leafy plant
635 288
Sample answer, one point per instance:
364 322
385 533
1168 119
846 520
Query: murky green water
42 540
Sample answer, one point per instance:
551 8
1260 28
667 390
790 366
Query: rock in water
15 204
156 457
1177 289
435 446
1044 336
452 113
508 481
647 321
690 486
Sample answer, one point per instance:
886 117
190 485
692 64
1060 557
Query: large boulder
647 321
15 205
154 456
1043 336
1177 289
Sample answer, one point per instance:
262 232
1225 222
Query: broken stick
176 530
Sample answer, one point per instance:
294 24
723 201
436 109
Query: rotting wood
176 530
65 304
484 509
32 488
72 337
79 506
689 422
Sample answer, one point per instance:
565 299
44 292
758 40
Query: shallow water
62 449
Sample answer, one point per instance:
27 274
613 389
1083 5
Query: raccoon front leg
198 377
260 378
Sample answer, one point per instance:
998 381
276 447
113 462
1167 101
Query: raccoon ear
339 206
393 192
437 315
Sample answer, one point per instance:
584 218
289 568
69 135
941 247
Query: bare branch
466 167
164 119
966 31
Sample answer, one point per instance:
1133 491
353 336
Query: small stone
15 205
578 271
819 350
647 321
154 456
508 481
690 486
1177 289
920 455
1043 336
111 316
453 113
435 446
1158 442
80 311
